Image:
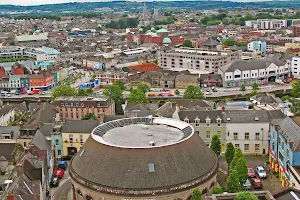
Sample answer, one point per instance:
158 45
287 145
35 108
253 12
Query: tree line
123 23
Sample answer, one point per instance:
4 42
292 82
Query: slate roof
210 42
14 130
79 126
6 150
167 78
253 64
166 110
186 78
290 130
211 76
275 116
213 115
245 116
285 194
46 129
136 107
173 164
193 104
40 141
266 99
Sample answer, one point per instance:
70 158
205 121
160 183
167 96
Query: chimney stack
10 196
38 102
223 108
177 108
20 169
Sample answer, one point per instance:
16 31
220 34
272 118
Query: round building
142 158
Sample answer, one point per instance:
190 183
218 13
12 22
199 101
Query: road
61 192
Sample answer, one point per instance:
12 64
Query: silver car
260 171
247 185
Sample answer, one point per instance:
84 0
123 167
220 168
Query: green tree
196 195
295 91
155 61
17 152
143 86
187 43
255 87
215 144
217 190
232 184
242 169
228 42
237 154
89 91
177 92
89 116
93 76
295 109
120 84
65 90
245 196
192 92
35 26
243 89
82 92
116 94
137 96
225 100
229 153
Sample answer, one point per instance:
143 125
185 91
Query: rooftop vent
256 119
228 118
151 167
152 143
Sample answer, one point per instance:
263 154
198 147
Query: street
61 192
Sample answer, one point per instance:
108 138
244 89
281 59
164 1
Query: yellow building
293 45
183 81
74 133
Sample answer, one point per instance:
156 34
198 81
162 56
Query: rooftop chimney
38 102
223 108
10 196
177 108
20 169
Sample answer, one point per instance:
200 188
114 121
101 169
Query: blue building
258 46
285 148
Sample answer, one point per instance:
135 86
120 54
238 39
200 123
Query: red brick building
296 31
157 37
17 69
2 72
41 81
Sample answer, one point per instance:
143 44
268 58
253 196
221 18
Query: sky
40 2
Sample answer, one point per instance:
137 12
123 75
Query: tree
243 89
255 87
93 76
232 184
217 190
17 152
245 196
65 90
215 144
237 154
3 165
89 90
82 92
229 153
192 92
116 94
137 96
295 109
177 92
155 61
228 42
187 43
89 116
295 91
196 195
120 84
242 170
143 86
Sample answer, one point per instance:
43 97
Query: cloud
40 2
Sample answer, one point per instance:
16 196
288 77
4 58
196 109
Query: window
246 136
56 142
256 147
207 134
59 152
237 146
219 121
81 138
257 136
235 136
282 145
66 104
77 104
287 153
62 104
197 121
71 104
24 144
186 120
198 132
71 138
246 147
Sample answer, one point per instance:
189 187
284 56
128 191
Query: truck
62 165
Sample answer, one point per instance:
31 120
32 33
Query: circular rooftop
162 30
119 158
142 132
167 40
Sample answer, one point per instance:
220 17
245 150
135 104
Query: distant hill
137 6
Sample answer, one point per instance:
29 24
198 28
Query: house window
246 147
98 105
62 104
71 138
207 134
282 145
186 120
256 147
237 146
235 136
257 136
77 104
197 121
246 136
198 132
56 142
82 104
71 104
219 122
59 152
25 144
81 138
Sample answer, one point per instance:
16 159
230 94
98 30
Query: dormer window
186 120
197 121
207 120
6 136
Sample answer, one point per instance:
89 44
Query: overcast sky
39 2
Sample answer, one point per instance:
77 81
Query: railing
142 192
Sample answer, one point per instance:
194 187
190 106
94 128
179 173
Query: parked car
260 171
59 173
17 93
251 172
23 92
256 183
54 182
30 93
160 95
208 93
62 165
247 185
42 93
170 94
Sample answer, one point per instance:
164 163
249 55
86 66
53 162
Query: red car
59 173
251 172
30 93
23 92
160 95
256 183
170 94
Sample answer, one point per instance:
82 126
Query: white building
266 24
295 67
247 72
196 59
248 130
